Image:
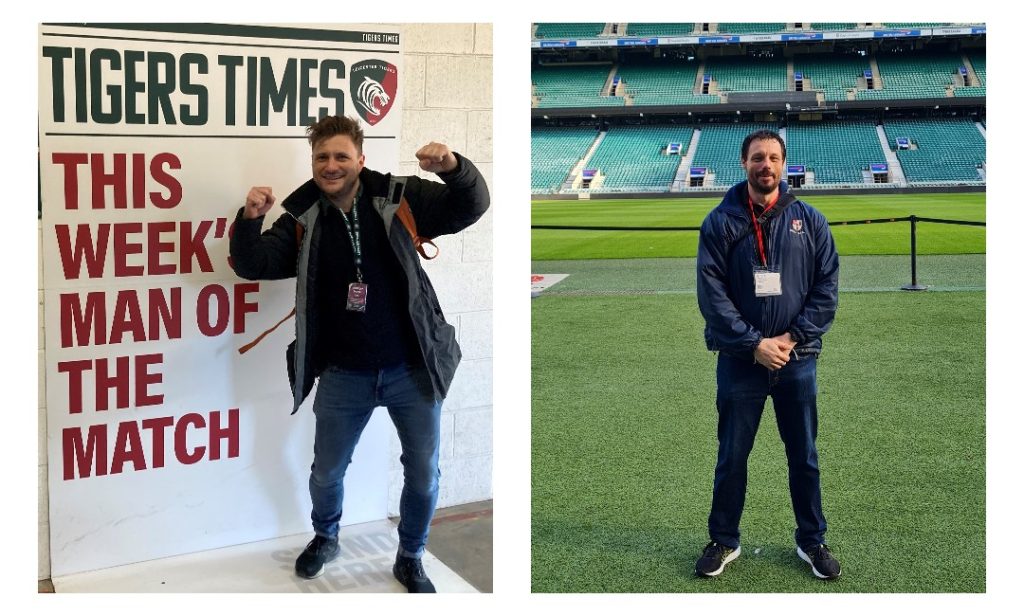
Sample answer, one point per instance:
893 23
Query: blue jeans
743 388
344 402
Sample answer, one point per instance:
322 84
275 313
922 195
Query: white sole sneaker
728 559
807 559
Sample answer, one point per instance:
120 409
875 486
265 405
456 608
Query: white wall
447 98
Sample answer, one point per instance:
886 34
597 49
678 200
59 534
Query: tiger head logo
373 85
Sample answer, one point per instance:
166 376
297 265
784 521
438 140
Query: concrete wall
447 98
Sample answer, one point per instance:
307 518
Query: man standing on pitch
767 286
368 323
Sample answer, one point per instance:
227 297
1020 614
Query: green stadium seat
650 29
554 152
744 28
569 31
719 149
632 158
573 86
744 74
837 152
831 73
948 150
913 75
663 82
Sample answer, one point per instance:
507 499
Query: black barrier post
913 286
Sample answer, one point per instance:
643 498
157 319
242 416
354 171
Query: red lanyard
757 226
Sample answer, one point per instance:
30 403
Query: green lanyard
353 234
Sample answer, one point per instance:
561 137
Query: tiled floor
459 560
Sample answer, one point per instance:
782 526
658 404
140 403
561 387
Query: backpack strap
404 214
299 231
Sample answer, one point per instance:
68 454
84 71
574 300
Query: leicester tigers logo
373 84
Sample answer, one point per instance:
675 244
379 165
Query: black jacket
799 245
439 209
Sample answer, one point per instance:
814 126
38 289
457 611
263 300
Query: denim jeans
344 402
743 388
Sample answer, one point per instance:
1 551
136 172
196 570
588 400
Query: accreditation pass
767 283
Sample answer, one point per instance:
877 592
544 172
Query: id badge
356 297
767 283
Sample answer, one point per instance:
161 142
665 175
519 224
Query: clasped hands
773 353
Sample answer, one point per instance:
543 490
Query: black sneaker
314 558
716 556
409 571
822 563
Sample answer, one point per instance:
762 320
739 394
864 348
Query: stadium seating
947 149
632 157
970 91
664 82
834 26
554 152
719 149
837 152
573 86
744 74
569 31
831 73
648 29
913 75
742 28
977 59
914 25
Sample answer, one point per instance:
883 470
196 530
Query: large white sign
162 439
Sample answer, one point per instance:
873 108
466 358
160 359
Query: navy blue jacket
799 245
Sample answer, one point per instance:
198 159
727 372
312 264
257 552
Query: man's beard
759 188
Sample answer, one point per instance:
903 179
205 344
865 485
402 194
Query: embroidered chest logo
796 226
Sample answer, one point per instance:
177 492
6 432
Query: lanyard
353 234
757 226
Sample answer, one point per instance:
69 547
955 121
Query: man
767 286
368 323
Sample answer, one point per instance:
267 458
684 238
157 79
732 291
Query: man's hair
762 135
332 126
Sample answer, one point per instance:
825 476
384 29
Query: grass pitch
623 419
878 238
624 449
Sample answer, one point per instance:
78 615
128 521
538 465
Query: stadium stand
814 144
573 86
743 28
833 74
913 75
833 26
663 82
743 74
569 31
633 157
977 60
914 25
646 29
719 149
555 151
837 135
943 150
